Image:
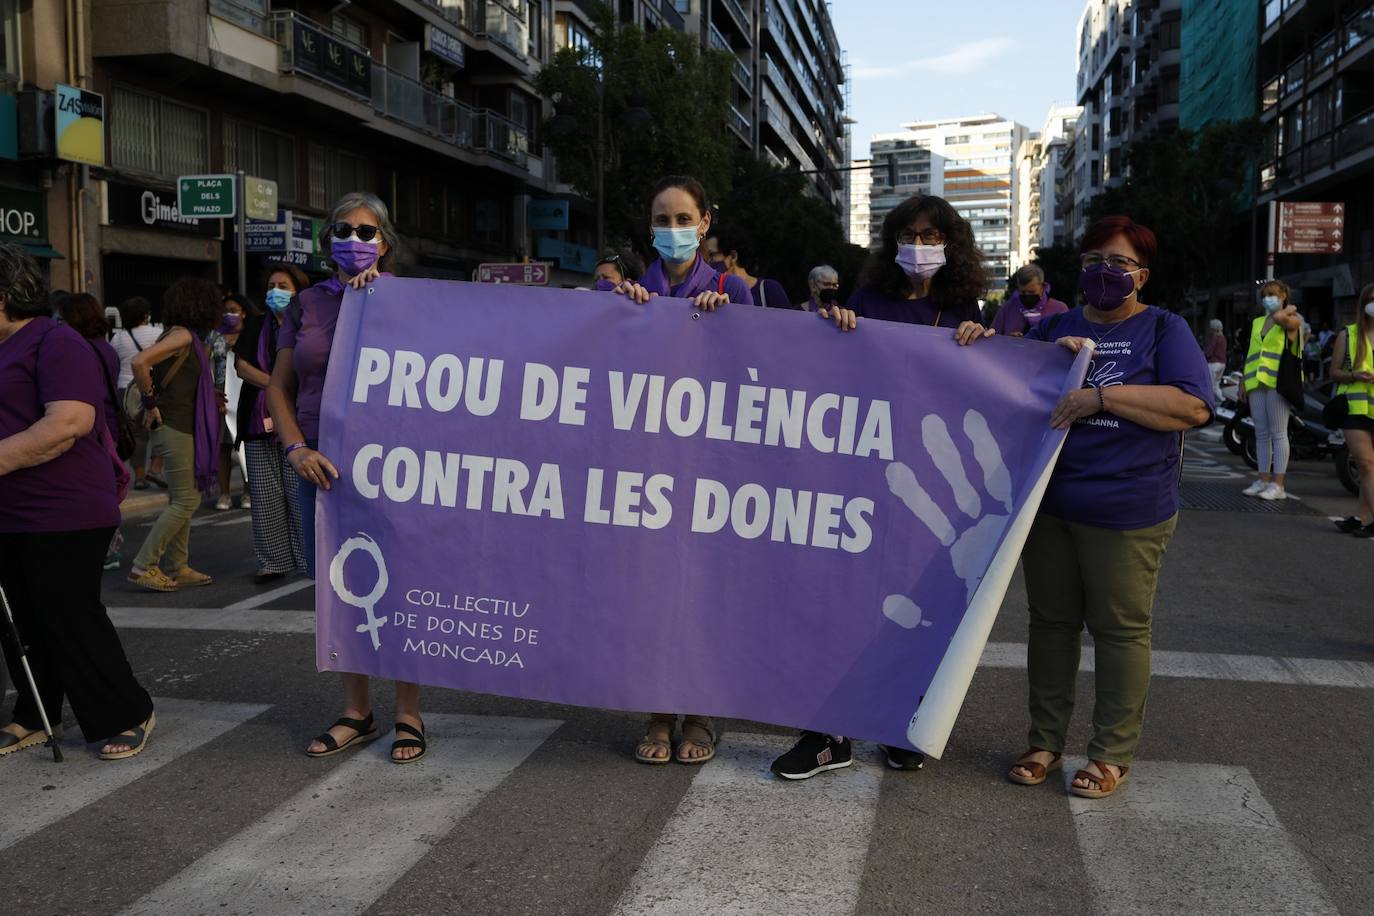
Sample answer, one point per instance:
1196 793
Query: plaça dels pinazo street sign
207 196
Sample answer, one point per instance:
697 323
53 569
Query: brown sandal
1039 772
650 743
1107 783
709 743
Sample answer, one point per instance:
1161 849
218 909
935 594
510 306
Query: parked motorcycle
1308 438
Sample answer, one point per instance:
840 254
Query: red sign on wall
1310 228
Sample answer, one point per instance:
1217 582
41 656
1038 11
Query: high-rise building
860 181
967 161
1036 218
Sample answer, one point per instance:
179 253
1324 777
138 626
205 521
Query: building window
149 133
349 28
1169 34
9 39
1168 90
333 173
261 153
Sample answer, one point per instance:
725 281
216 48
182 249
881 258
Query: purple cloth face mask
920 261
1105 287
605 286
353 257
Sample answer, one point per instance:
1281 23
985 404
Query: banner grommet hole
696 316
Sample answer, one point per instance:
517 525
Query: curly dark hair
194 303
962 280
85 314
21 284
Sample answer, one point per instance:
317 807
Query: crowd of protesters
74 385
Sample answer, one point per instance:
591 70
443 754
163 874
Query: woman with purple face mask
361 244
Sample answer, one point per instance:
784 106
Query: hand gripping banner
564 496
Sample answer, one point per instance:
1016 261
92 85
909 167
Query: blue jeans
307 500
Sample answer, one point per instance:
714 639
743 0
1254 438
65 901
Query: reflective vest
1262 362
1359 395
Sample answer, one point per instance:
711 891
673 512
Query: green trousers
169 540
1079 575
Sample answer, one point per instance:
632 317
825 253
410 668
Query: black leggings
52 581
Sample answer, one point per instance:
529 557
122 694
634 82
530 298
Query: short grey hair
822 272
1026 274
21 284
1215 325
353 200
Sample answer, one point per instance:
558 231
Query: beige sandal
153 579
1107 783
187 577
650 743
1039 772
705 725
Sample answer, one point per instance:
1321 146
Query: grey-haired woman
361 244
1215 352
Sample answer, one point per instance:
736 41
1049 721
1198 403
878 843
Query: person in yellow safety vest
1280 325
1352 366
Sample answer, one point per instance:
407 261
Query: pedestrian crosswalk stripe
743 841
191 618
182 726
271 595
339 843
1191 838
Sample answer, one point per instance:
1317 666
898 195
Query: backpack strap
720 283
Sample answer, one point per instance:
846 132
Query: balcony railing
455 11
1356 135
1359 28
502 137
740 15
739 122
403 99
671 16
489 19
310 49
1323 53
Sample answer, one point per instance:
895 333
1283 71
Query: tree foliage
1061 267
1193 189
684 91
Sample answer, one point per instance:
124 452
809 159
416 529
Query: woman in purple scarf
182 413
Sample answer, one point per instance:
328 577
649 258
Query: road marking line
1190 838
271 595
1212 666
743 841
341 842
182 726
192 618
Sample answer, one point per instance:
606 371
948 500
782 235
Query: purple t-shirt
1015 318
45 361
868 302
769 293
703 277
1114 473
311 335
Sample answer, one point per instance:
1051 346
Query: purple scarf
701 278
207 426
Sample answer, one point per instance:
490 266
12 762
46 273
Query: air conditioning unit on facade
35 124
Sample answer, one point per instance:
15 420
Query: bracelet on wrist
293 446
149 401
1101 399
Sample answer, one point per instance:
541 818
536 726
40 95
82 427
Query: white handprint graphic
971 549
1104 376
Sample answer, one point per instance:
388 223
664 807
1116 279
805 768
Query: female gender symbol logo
336 580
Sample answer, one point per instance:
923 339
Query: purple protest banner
568 497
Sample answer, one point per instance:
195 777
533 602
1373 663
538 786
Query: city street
1249 794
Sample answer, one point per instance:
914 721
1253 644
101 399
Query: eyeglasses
365 232
615 260
1119 261
927 237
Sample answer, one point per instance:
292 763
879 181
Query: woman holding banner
361 244
927 271
1094 552
679 219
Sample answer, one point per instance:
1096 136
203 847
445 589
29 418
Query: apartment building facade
1036 218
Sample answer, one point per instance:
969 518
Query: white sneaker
245 502
223 503
1255 489
1273 491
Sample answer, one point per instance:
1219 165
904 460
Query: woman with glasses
361 244
1095 549
614 268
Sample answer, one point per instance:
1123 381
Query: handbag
1337 409
126 438
133 398
1289 384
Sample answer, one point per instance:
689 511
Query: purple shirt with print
868 302
40 363
1114 473
311 335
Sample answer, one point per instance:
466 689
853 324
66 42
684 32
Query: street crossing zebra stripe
744 842
340 842
1190 838
42 792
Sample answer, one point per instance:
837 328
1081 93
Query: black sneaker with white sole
1349 525
814 753
899 758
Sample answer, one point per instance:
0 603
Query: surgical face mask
1106 288
920 262
354 257
1369 309
676 245
1271 304
278 299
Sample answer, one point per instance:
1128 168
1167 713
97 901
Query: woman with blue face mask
272 482
1277 327
679 219
361 243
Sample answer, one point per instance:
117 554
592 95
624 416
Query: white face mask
1369 309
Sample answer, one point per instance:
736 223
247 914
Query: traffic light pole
241 229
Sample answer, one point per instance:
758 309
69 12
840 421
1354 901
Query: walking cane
28 673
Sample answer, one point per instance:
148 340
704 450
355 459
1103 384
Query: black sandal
366 731
402 743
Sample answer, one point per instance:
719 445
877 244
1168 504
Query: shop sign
80 123
152 208
445 45
23 216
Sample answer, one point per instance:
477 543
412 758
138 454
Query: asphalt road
1250 795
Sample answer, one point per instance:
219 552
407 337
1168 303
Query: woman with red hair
1094 552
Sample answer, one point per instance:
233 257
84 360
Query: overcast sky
915 60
